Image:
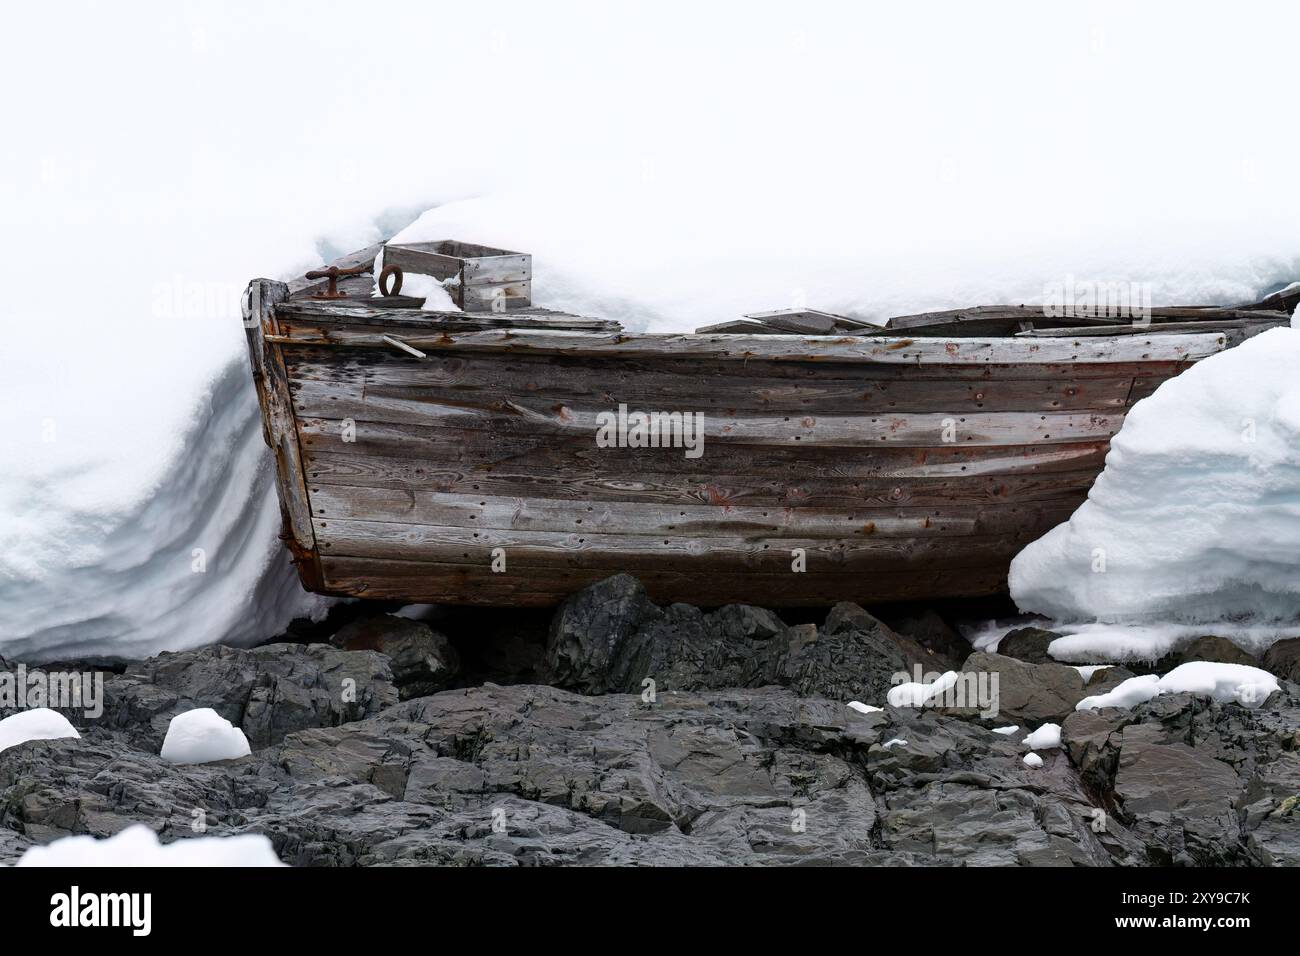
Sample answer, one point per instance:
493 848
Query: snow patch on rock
38 724
139 846
202 736
1248 686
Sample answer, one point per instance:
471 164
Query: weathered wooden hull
890 468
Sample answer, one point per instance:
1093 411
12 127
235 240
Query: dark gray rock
610 638
931 631
423 660
1181 798
592 634
266 691
1283 659
537 775
691 775
1208 648
1030 693
1028 644
1194 781
1106 679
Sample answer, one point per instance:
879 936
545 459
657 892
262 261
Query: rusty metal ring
394 273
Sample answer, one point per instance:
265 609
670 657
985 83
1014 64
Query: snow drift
197 560
139 846
769 167
1196 516
1248 686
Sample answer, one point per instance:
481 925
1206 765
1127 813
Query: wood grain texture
794 348
280 432
433 583
898 467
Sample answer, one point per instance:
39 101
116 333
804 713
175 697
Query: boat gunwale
984 350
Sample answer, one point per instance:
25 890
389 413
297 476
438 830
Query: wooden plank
914 430
482 454
428 582
303 286
989 315
280 431
543 476
371 313
738 327
521 513
318 388
539 453
385 367
943 496
1010 351
411 257
616 553
496 297
1236 331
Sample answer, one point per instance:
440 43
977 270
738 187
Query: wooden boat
452 457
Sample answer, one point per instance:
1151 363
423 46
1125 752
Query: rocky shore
628 733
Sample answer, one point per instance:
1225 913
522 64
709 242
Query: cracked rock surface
745 753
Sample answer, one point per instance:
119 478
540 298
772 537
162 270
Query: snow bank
1127 693
197 560
1197 513
663 199
1248 686
38 724
202 736
1033 760
139 846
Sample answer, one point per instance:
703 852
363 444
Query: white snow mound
917 694
1044 738
1196 514
1033 760
202 736
138 846
40 723
862 708
1248 686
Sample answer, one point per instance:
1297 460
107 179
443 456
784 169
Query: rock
1209 648
1178 770
1283 659
1029 693
741 622
528 774
532 775
591 638
931 631
846 618
266 691
610 638
1106 679
1028 644
858 662
1181 797
423 660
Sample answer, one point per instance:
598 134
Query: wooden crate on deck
490 280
